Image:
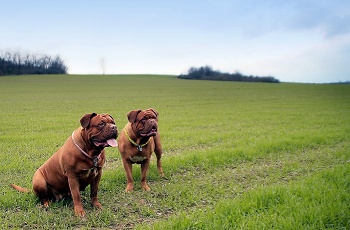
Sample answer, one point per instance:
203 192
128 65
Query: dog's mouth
151 133
109 140
108 143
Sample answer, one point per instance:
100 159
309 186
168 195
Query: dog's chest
137 159
92 172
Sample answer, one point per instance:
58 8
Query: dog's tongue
112 142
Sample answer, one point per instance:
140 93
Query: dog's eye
101 124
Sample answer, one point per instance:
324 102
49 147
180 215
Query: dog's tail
20 189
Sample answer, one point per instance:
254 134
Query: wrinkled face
101 129
146 122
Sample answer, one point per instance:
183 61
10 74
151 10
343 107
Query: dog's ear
154 111
132 115
85 120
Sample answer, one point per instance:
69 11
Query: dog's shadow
66 201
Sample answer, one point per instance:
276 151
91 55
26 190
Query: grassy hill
235 154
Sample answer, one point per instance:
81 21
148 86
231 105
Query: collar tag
96 160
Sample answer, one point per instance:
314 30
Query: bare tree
15 64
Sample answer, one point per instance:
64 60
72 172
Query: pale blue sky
292 40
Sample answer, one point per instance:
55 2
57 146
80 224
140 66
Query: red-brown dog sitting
139 138
77 164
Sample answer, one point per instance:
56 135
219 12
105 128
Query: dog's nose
114 129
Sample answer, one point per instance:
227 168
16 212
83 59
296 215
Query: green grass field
236 155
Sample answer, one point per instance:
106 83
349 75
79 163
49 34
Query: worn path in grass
221 140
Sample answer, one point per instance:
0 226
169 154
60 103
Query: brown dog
77 164
139 138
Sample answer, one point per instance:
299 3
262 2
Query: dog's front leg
144 170
158 152
74 190
94 188
128 171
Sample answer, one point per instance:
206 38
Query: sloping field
235 155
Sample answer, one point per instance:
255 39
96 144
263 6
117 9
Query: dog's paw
95 203
46 203
145 187
79 211
80 214
129 188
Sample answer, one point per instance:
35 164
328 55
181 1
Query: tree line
207 73
17 64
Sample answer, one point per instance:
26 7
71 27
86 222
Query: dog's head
144 122
101 129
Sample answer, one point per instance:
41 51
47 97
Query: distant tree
15 64
207 73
